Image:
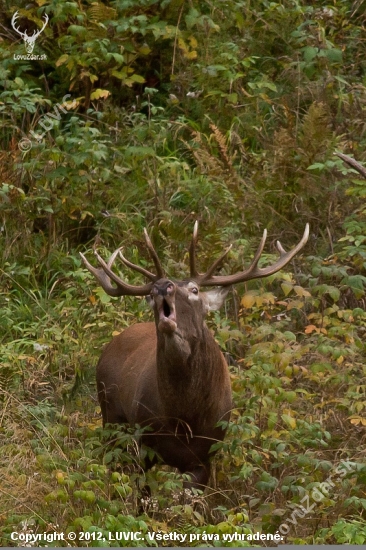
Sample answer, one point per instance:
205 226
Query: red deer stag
171 375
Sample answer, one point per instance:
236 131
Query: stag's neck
189 374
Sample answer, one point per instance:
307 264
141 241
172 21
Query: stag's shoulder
138 330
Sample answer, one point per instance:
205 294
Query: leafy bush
155 114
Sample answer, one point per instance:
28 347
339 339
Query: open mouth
166 311
166 308
167 317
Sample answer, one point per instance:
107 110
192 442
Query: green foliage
154 114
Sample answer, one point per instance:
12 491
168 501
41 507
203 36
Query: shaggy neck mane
188 374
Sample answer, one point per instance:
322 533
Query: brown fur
171 376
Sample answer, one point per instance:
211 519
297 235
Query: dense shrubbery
274 89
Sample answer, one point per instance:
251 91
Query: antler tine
206 278
101 277
255 272
192 251
211 270
154 256
104 275
192 258
138 268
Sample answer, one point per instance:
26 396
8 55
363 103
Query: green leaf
137 78
334 293
139 152
334 55
317 166
290 336
77 30
357 284
309 53
118 57
232 98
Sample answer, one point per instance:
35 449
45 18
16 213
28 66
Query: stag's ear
214 299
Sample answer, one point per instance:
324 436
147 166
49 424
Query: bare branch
353 163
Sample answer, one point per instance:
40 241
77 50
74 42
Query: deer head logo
29 41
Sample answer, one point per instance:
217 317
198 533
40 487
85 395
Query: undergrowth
157 114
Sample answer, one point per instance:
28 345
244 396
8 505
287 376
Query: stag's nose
163 287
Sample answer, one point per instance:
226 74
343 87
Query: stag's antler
105 275
253 271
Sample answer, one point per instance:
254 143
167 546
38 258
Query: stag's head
180 306
29 41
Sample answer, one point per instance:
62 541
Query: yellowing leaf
144 50
248 300
259 300
269 297
286 287
289 420
120 74
301 291
311 328
98 93
355 421
68 105
295 304
60 478
182 45
28 358
190 55
61 60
